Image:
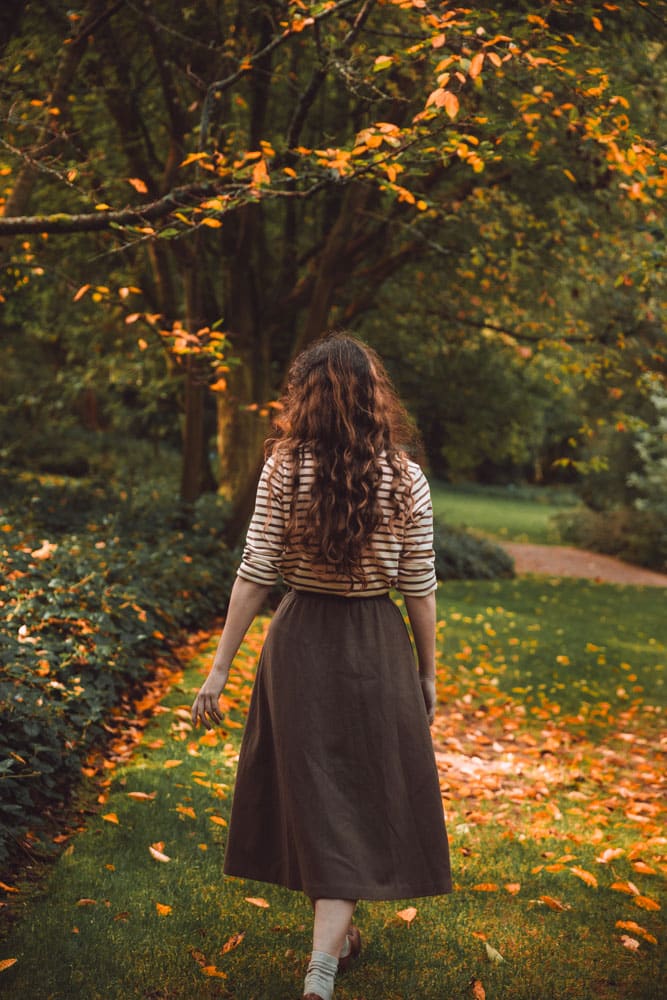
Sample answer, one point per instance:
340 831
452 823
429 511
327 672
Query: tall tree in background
260 171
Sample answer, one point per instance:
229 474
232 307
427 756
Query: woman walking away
337 791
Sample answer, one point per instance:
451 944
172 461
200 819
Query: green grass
119 946
520 514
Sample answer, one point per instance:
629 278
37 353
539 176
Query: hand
430 701
205 707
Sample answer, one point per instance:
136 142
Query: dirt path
562 560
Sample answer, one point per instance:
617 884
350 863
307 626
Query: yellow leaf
211 223
6 963
141 796
186 811
163 909
102 207
570 176
193 158
110 818
646 902
630 925
233 942
138 184
289 171
408 915
218 820
256 901
158 855
585 876
172 763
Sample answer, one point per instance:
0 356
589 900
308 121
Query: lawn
546 739
510 513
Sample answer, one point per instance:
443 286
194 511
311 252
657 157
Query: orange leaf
597 23
211 970
476 64
256 901
141 796
218 820
512 887
585 876
641 866
631 943
451 103
233 942
111 818
163 909
138 184
8 888
553 903
6 963
629 887
80 294
186 811
86 902
609 854
486 887
646 902
260 175
172 763
630 925
408 915
477 991
211 222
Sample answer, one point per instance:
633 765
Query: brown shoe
354 937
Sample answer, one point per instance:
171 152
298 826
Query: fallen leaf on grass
492 954
186 811
643 868
585 876
111 818
256 901
141 796
407 915
6 963
211 970
8 888
553 903
86 902
486 887
476 989
218 820
631 943
512 887
646 902
157 854
630 925
628 887
610 854
163 909
172 763
233 942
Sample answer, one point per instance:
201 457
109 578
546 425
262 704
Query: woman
337 791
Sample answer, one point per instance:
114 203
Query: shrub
462 556
635 536
94 585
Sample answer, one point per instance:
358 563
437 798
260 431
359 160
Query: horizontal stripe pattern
405 561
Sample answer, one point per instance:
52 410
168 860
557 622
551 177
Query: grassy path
547 741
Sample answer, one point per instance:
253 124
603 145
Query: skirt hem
342 891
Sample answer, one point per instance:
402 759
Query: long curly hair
340 407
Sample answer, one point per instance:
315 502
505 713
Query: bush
94 586
633 535
462 556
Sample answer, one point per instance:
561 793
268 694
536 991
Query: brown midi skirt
337 790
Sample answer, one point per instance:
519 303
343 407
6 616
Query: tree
266 170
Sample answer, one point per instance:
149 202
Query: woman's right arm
422 615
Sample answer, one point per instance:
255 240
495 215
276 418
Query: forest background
192 193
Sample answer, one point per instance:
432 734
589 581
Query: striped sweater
404 561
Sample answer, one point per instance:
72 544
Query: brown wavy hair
340 407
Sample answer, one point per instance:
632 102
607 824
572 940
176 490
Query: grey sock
321 974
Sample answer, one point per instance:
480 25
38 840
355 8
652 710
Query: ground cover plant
96 588
546 741
509 513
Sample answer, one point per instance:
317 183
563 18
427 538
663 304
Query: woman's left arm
245 601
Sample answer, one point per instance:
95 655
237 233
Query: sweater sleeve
416 565
263 549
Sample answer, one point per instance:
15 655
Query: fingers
205 709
